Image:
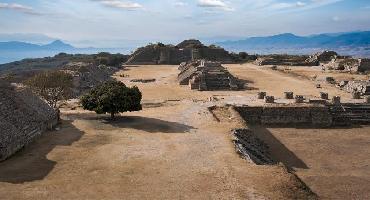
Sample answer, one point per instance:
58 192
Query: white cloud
180 4
298 5
215 4
126 5
19 8
336 18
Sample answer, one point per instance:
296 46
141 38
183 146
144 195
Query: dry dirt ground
174 149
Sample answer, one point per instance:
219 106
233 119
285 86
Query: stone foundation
317 115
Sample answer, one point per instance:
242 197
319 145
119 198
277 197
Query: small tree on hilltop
112 97
51 86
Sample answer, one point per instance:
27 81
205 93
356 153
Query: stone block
324 95
336 100
367 99
261 95
289 95
299 99
356 95
269 99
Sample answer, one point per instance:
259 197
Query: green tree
112 97
51 86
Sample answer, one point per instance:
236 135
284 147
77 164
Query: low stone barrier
317 115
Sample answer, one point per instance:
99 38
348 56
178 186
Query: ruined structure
206 75
23 117
362 87
348 64
88 75
322 57
294 114
288 60
185 51
251 147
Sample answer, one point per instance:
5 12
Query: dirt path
173 149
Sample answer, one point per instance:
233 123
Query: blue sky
110 23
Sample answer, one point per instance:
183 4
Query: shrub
112 97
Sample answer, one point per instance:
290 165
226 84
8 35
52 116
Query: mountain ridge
25 46
288 40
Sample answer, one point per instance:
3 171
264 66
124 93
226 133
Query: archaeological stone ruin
88 75
287 60
348 64
185 51
206 75
23 117
362 87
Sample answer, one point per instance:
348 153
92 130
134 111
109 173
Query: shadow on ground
278 150
150 125
31 163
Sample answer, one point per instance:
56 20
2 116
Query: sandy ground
174 149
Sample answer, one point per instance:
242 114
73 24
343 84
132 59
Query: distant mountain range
23 46
351 43
15 50
354 43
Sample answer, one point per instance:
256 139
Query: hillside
19 70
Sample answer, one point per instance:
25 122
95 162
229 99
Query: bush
112 97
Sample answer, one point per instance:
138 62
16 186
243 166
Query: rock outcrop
23 117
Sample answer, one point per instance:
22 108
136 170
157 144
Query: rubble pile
363 87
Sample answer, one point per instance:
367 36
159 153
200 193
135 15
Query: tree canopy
52 86
112 97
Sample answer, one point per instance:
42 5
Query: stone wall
288 60
286 115
364 65
23 117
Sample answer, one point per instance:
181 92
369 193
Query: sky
113 23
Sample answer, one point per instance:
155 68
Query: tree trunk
112 116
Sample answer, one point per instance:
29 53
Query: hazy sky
104 22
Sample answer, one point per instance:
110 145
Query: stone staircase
347 114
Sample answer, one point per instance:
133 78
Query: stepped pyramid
185 51
206 75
